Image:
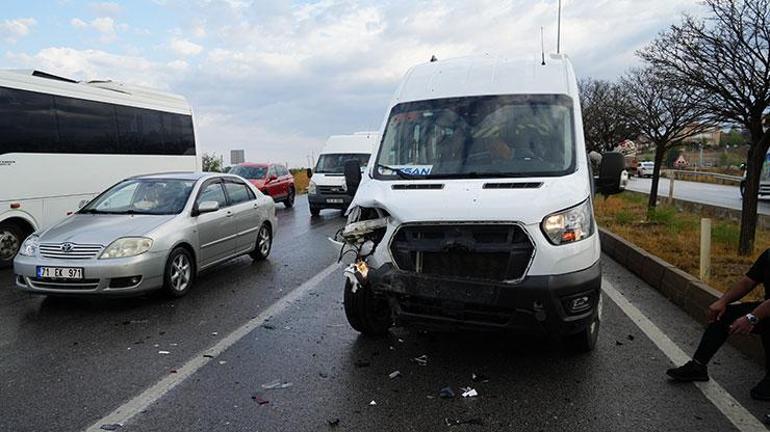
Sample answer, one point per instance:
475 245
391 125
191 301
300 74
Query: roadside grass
674 236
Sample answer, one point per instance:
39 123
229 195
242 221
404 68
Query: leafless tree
605 114
726 57
664 114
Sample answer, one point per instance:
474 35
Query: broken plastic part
333 422
372 403
276 384
356 230
111 426
446 393
394 374
421 360
259 399
469 392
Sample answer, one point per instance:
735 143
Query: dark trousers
717 332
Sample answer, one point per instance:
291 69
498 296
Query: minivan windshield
143 196
480 136
249 172
334 163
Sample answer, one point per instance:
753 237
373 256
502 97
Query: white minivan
327 188
475 210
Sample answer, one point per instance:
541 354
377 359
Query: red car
272 179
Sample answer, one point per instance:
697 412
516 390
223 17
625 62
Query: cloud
106 8
15 29
184 47
105 26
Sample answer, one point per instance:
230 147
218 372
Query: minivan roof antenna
542 47
558 30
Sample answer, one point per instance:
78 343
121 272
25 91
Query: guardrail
683 174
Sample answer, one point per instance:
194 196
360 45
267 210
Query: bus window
27 121
178 134
86 126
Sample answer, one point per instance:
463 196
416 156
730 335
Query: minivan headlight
311 189
29 247
571 225
127 247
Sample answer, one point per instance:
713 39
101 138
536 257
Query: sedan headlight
127 247
570 225
29 247
311 188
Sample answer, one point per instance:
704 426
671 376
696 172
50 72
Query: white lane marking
125 412
724 401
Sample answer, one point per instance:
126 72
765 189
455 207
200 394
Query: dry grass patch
674 236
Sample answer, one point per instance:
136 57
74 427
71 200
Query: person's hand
715 311
741 326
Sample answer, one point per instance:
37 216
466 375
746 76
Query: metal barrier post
705 249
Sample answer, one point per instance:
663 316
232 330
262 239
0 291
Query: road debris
276 384
268 326
394 374
630 337
164 352
421 360
323 375
214 333
208 355
471 421
333 422
479 378
618 343
259 399
766 419
111 426
222 362
446 393
469 392
372 403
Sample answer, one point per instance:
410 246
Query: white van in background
63 141
327 189
476 210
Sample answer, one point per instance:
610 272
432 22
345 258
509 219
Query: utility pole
558 30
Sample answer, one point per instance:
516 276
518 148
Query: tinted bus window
86 126
27 122
152 130
178 134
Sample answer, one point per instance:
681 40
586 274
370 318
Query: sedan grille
494 252
63 284
69 251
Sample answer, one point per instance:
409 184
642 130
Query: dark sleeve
757 270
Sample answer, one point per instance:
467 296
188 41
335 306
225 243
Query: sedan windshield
143 196
249 172
334 163
482 136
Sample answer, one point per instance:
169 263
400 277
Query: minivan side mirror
352 175
207 207
608 182
309 173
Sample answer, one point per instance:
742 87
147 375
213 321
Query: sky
277 77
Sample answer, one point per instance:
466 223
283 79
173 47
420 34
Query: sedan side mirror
82 204
309 173
352 175
609 181
272 178
207 207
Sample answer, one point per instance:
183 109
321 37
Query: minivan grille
69 251
328 190
495 252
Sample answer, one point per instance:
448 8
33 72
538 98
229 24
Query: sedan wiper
89 211
401 173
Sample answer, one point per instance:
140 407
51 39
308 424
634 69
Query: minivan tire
264 243
365 312
315 211
289 202
180 264
585 340
11 238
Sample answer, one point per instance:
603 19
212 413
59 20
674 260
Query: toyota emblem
66 247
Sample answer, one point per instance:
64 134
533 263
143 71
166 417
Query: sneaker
692 371
761 391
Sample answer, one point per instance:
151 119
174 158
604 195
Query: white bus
63 141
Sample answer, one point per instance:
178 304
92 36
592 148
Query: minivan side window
238 192
213 192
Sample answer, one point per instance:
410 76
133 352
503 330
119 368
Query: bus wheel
11 237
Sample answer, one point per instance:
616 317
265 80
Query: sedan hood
477 200
102 229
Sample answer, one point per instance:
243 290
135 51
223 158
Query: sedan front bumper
107 276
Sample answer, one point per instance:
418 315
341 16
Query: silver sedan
149 232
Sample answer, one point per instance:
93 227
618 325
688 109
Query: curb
691 294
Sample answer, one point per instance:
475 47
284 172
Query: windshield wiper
89 211
403 174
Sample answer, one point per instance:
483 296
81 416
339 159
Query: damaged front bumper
556 304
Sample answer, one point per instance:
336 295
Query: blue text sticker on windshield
419 170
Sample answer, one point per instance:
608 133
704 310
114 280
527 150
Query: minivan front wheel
366 313
11 238
180 273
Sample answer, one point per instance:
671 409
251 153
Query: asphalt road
68 364
712 194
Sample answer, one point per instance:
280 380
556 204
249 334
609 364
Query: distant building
237 157
709 137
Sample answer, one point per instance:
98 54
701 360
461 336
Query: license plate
334 200
60 272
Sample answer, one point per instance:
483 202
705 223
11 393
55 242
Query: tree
726 57
664 114
211 162
605 114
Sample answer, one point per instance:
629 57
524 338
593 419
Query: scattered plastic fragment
222 362
469 392
630 337
400 340
394 374
208 356
618 343
276 384
164 352
479 378
333 422
471 421
259 399
446 393
421 360
268 326
372 403
111 426
363 363
214 333
173 370
323 375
